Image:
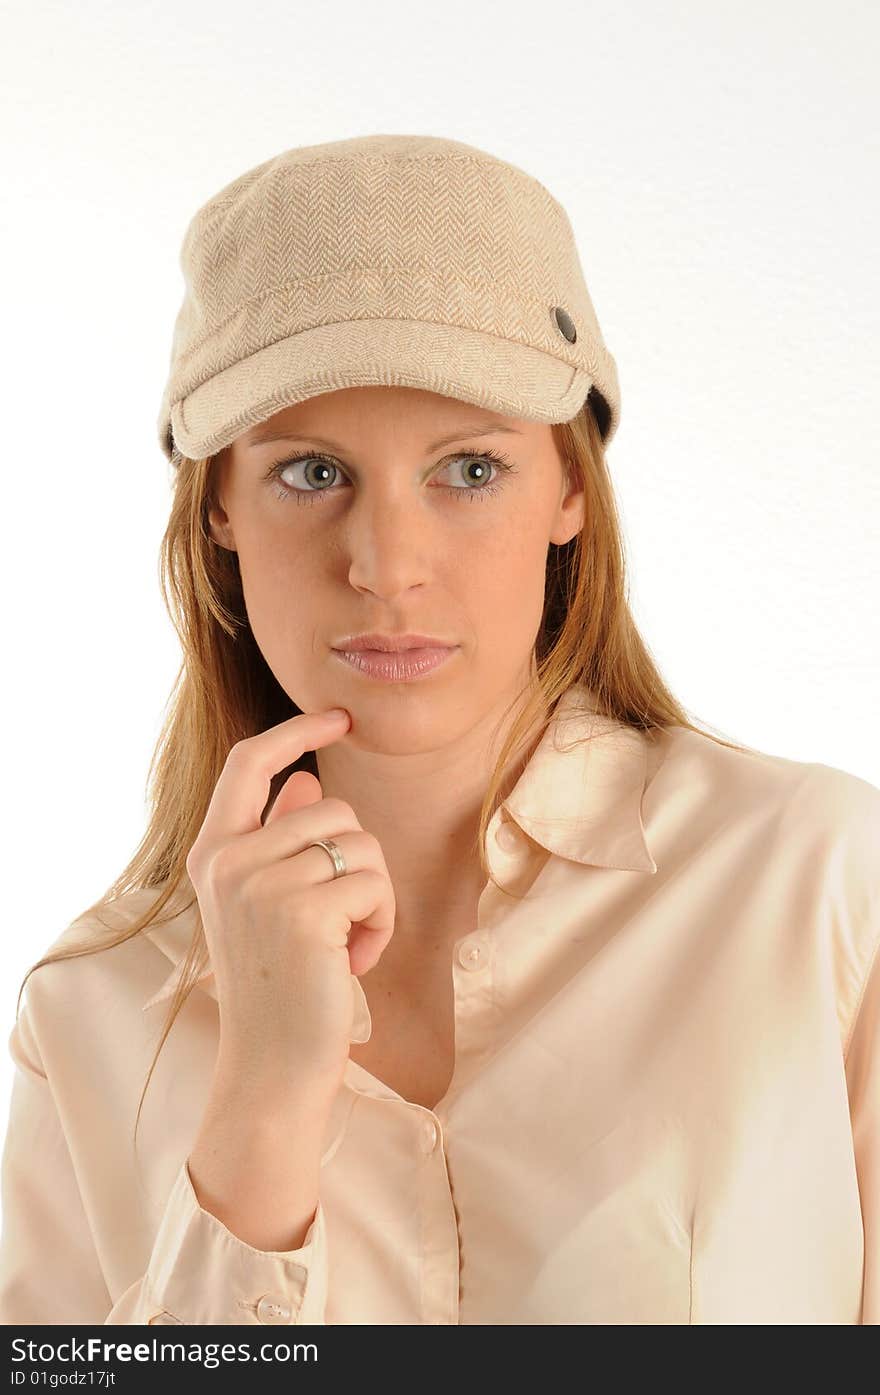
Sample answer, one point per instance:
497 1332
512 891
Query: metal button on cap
565 323
272 1309
429 1136
471 954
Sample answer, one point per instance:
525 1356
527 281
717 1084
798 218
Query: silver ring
339 864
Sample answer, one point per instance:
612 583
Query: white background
719 165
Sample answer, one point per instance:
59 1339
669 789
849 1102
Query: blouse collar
579 797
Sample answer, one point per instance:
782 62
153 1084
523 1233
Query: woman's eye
317 474
307 476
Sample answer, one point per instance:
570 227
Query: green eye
487 459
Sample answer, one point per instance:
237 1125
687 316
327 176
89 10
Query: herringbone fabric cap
382 259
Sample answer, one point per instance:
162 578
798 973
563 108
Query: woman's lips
399 666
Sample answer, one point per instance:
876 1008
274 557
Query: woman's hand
285 936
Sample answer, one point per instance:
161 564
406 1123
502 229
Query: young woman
459 977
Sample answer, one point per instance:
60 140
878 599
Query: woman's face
381 528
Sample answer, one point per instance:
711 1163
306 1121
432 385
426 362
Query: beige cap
403 260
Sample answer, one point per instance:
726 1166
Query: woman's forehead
350 414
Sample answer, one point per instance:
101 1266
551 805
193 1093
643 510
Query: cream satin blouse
665 1106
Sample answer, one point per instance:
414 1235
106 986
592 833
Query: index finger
241 792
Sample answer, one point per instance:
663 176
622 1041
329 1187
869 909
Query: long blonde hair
225 691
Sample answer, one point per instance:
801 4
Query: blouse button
471 954
507 836
271 1309
429 1136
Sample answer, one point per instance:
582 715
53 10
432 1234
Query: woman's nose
390 542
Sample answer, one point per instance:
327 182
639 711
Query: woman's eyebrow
260 438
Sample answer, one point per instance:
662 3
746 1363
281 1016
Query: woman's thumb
299 789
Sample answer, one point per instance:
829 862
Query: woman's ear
219 526
569 518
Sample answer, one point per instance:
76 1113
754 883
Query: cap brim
512 379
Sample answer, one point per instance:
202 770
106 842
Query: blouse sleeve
863 1085
198 1271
